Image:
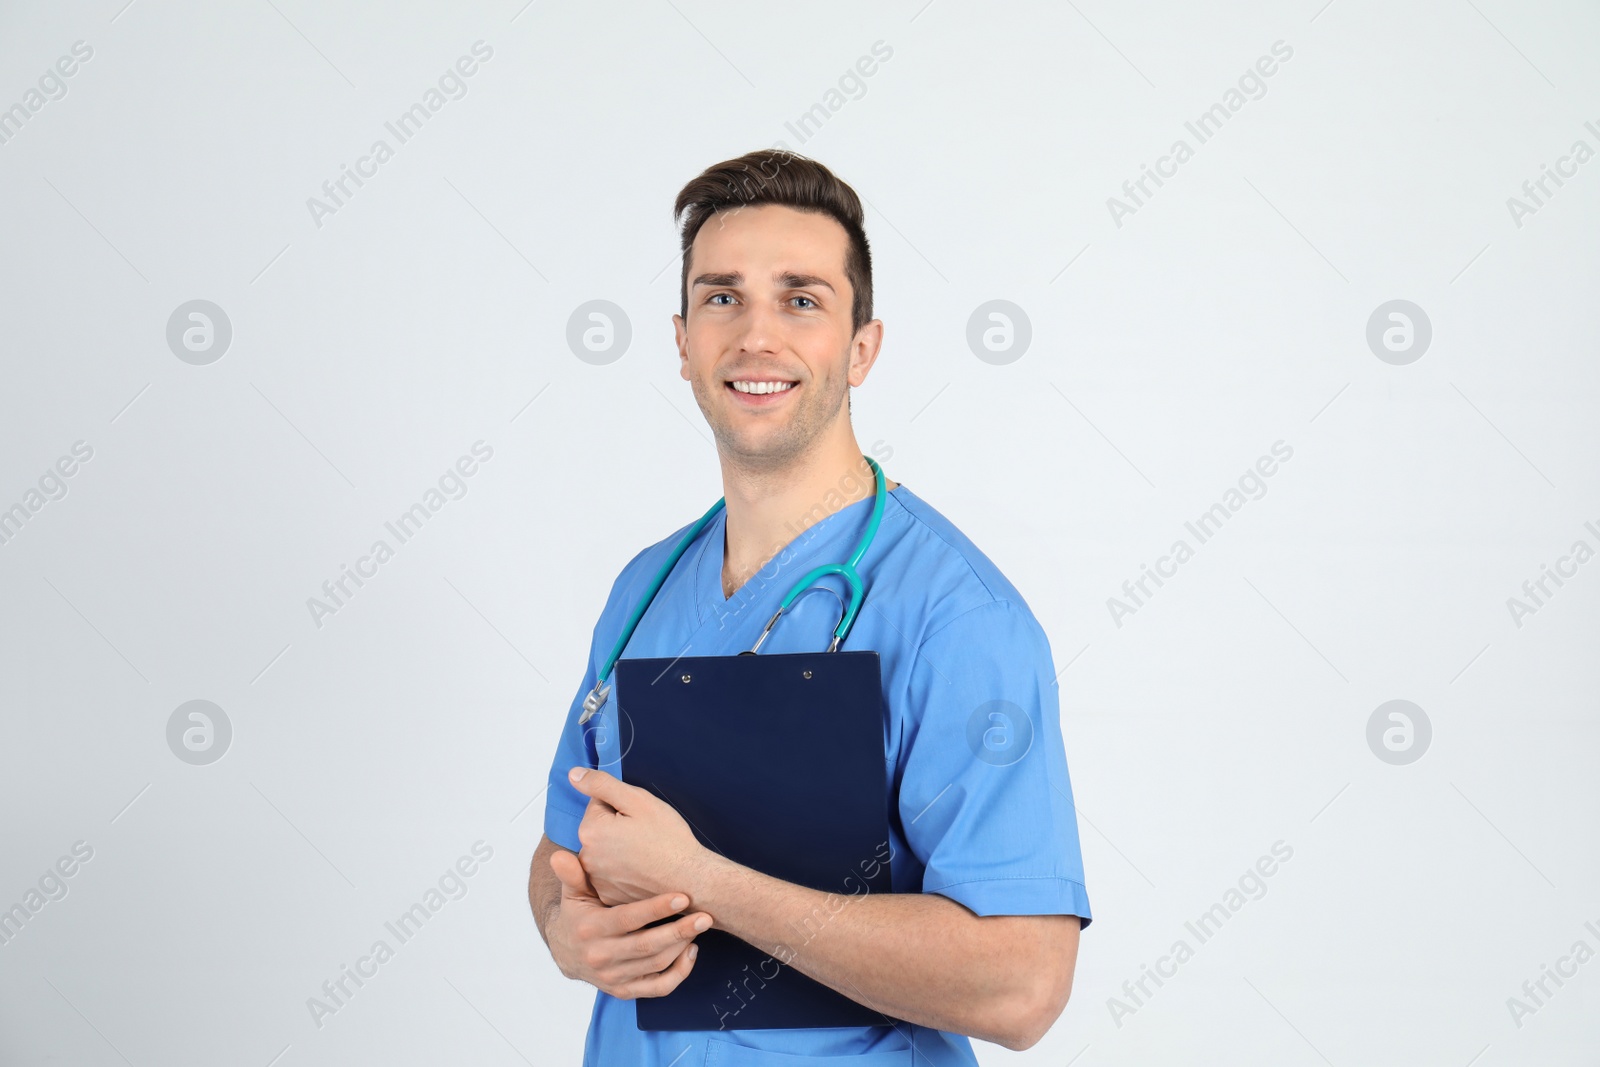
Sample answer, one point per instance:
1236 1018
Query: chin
759 449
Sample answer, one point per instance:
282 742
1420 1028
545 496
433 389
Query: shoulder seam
918 519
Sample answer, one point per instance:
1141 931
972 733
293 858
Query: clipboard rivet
805 674
686 679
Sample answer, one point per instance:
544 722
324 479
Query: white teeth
762 387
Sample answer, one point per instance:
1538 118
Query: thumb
598 785
574 880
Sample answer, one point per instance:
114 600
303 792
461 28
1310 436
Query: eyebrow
785 280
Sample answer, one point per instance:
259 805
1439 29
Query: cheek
833 367
704 344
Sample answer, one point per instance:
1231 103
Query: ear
864 350
680 332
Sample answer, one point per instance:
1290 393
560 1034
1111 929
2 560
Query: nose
762 329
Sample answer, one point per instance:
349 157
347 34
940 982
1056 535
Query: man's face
768 347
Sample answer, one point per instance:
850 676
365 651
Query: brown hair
778 176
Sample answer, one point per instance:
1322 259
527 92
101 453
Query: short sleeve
984 797
563 804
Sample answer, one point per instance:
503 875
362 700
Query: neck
768 507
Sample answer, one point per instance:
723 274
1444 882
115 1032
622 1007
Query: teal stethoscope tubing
846 570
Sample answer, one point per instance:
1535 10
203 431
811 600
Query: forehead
771 235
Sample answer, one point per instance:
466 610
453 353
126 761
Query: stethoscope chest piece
594 701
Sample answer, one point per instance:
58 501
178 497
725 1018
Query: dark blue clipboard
776 762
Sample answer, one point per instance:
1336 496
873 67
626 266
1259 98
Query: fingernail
577 773
679 903
694 950
702 924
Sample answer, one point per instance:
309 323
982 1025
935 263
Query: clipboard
776 762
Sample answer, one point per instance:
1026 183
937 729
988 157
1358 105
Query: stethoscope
847 570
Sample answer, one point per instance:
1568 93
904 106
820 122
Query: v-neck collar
845 525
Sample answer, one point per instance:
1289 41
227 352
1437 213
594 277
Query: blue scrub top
972 741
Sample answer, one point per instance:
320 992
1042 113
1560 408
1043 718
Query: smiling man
979 936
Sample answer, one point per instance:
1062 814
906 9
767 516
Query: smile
759 388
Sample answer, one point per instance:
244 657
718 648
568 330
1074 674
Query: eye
807 299
714 296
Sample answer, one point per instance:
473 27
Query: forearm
544 888
919 957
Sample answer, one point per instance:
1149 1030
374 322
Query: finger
626 918
651 965
574 880
599 785
659 985
671 936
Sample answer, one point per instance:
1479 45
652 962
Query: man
980 935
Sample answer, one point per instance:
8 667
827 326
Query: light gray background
1167 354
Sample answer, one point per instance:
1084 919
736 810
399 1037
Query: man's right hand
610 947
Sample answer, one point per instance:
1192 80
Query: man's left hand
634 844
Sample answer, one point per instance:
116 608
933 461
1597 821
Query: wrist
705 879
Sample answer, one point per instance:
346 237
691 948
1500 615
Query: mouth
761 393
